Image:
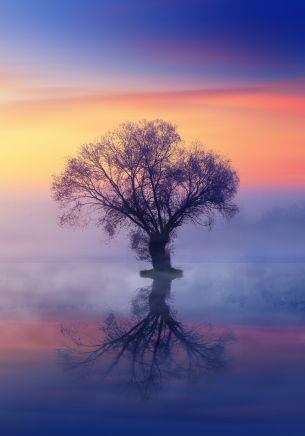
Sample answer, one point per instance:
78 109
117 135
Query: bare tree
141 176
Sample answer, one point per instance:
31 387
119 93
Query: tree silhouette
142 177
157 346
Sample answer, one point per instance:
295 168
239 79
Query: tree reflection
154 347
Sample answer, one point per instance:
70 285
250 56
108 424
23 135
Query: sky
230 74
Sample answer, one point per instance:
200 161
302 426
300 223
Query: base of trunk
173 273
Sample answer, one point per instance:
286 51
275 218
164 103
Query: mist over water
263 293
256 310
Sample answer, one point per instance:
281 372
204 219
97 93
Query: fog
270 225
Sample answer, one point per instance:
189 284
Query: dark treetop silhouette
140 176
154 347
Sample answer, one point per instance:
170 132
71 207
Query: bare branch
141 176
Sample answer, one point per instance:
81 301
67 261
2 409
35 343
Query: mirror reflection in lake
91 348
152 347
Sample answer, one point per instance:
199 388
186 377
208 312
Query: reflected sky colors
261 387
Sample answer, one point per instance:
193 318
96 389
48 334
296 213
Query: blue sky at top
180 44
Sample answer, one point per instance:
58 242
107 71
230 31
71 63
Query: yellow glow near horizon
263 135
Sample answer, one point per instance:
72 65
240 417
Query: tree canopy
143 177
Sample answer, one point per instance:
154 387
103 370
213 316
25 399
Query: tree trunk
160 256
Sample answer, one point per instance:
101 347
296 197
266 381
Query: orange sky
260 130
65 79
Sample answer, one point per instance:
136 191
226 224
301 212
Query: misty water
237 368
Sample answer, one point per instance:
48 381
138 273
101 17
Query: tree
142 177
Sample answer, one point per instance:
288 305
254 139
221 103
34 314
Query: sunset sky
228 73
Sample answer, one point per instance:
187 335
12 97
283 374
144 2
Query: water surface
235 366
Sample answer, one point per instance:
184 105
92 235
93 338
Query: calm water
90 347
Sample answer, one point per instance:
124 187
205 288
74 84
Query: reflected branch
156 346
